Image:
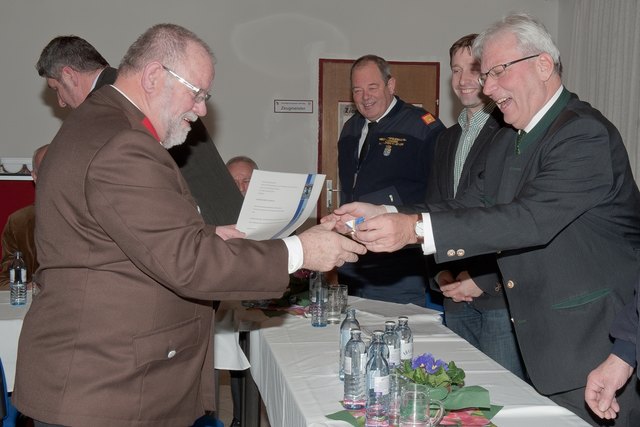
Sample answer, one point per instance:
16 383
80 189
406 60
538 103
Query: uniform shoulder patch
428 119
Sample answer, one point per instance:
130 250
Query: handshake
370 227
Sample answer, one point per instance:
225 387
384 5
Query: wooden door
416 83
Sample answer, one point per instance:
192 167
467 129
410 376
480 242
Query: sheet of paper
277 203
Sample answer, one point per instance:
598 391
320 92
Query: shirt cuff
625 350
296 255
429 244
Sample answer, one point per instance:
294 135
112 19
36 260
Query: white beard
177 132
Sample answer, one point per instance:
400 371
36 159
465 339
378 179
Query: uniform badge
390 142
428 119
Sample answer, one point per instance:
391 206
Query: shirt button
510 284
460 252
451 253
498 286
171 354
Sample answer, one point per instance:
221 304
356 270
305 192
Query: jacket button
451 253
510 284
171 354
460 252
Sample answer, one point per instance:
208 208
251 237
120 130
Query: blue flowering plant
426 369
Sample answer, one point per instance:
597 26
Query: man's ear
69 76
545 66
152 77
391 84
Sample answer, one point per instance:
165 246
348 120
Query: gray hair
69 51
165 43
383 66
243 159
531 35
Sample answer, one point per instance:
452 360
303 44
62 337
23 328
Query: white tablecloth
10 325
295 367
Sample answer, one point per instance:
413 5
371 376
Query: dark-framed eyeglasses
200 95
498 71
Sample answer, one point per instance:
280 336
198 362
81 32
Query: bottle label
394 355
347 365
23 275
381 385
363 361
406 350
12 275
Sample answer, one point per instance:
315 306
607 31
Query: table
10 324
295 367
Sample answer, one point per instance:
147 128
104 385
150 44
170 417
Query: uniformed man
385 154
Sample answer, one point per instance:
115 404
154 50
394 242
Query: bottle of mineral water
392 340
355 372
406 338
378 346
377 409
350 322
17 280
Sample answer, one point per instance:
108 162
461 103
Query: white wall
266 50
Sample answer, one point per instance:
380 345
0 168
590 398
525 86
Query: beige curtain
603 65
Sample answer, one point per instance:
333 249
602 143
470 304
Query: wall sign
292 106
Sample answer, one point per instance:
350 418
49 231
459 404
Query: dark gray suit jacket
483 269
563 217
204 170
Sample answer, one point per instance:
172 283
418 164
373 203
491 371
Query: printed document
277 203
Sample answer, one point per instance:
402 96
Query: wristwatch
419 229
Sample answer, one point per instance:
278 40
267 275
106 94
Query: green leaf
467 397
347 417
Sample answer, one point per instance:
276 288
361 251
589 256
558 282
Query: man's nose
200 108
489 86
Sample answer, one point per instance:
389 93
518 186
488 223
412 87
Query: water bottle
349 323
377 409
18 280
392 340
406 339
355 372
378 346
318 296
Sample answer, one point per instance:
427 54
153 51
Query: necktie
519 138
367 142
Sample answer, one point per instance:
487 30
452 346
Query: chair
8 412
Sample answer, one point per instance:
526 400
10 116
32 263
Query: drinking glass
416 407
336 303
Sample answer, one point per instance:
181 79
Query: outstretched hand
350 212
324 249
387 232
